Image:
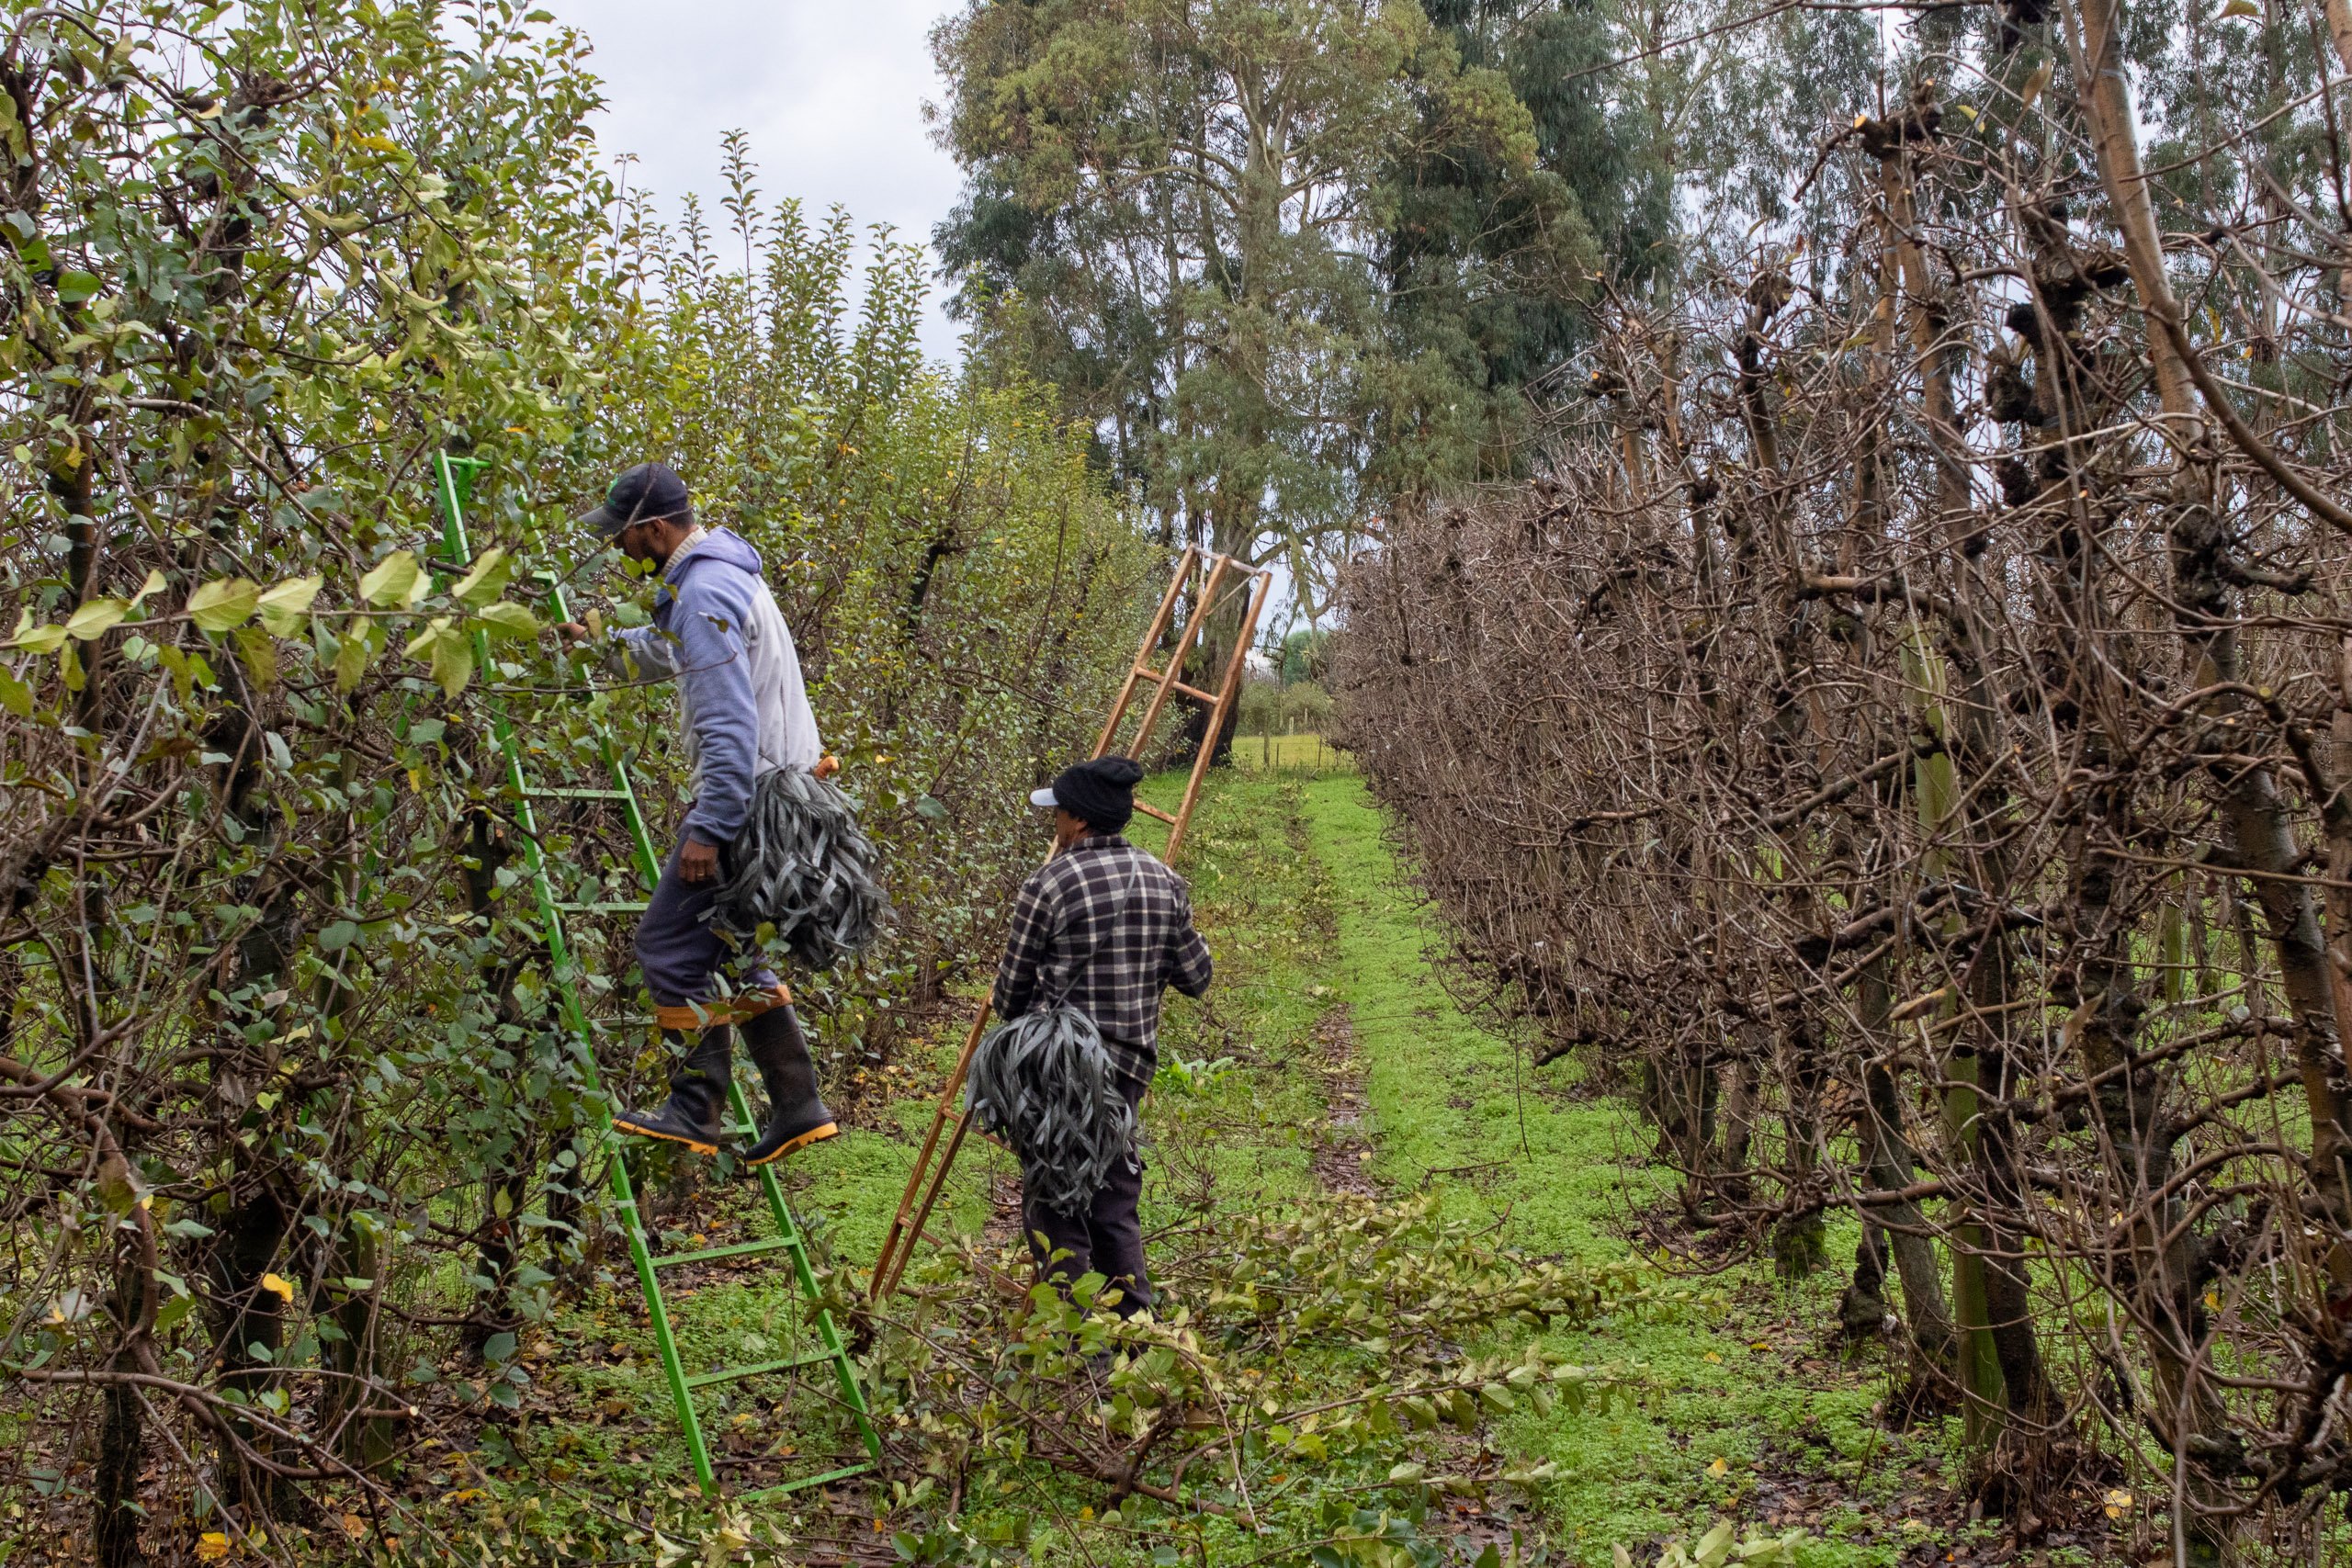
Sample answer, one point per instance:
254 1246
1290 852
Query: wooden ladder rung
1148 809
1194 693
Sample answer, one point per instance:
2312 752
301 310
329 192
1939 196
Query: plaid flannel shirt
1065 909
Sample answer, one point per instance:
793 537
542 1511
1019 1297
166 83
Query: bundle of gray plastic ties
804 865
1044 1084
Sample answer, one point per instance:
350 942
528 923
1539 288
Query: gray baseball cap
643 494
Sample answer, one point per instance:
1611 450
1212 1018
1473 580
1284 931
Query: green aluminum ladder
453 478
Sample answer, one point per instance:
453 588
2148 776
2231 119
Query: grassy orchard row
280 1058
1367 1370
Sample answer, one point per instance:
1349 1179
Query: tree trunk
1893 1166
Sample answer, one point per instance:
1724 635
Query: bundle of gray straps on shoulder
803 866
1043 1083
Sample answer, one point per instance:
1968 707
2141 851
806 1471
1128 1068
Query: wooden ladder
1218 576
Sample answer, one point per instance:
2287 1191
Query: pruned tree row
1905 738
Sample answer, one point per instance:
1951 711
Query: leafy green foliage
960 590
295 1134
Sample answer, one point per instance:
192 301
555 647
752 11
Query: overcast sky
832 94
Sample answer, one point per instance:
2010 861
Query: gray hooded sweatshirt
718 633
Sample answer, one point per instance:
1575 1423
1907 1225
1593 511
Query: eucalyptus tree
1187 198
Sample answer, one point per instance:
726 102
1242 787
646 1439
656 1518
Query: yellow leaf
491 570
279 1286
360 641
1710 1355
2035 83
223 606
453 663
96 618
393 580
283 608
2241 9
39 639
258 652
154 584
509 619
212 1546
1720 1469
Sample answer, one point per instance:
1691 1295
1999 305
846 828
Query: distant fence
1306 754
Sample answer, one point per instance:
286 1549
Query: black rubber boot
697 1096
796 1118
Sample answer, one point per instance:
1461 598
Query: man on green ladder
718 633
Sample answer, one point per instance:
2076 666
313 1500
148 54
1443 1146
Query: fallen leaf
1719 1468
277 1285
212 1546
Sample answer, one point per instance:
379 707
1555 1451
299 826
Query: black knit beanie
1102 793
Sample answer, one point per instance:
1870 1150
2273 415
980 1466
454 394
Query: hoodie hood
718 545
720 636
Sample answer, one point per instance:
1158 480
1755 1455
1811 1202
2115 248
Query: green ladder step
757 1370
453 478
805 1482
739 1249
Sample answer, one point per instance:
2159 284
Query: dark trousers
1107 1238
679 953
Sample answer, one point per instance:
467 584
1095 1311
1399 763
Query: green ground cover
1329 1059
1456 1109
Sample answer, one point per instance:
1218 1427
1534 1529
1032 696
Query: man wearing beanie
1107 929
